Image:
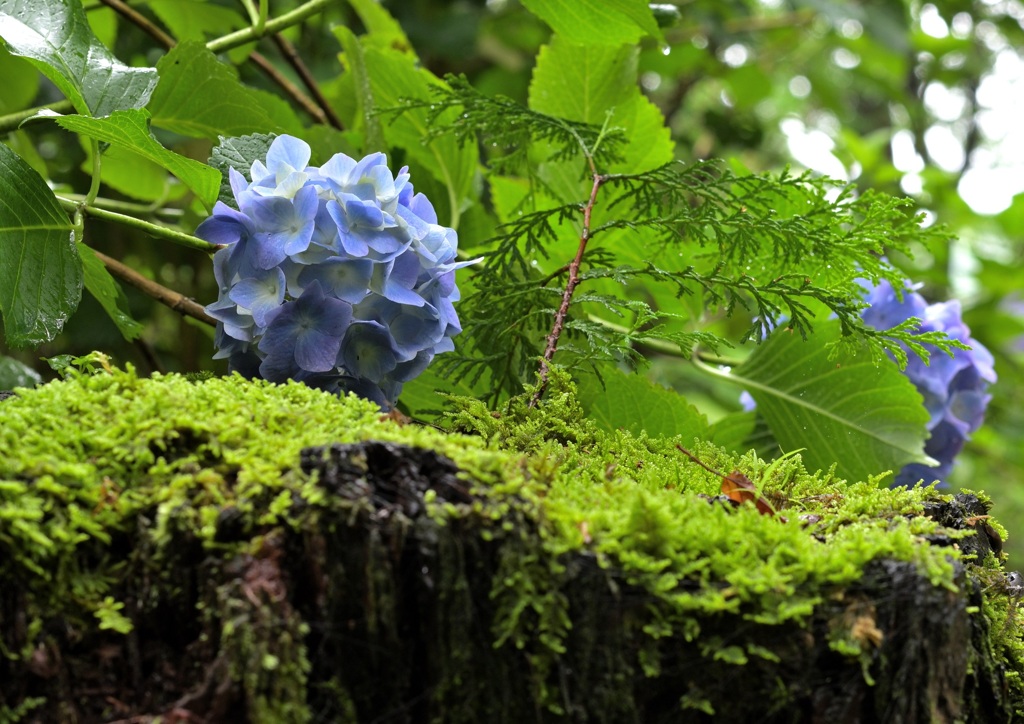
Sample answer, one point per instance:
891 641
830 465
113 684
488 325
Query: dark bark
380 612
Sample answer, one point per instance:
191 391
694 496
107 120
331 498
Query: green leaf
55 37
108 293
16 374
591 22
103 23
422 398
733 430
132 175
865 418
237 153
634 403
355 62
40 272
395 76
21 83
25 146
195 19
586 84
384 30
130 130
201 97
743 431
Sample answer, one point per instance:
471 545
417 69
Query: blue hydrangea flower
954 388
337 276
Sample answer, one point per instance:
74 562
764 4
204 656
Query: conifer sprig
785 249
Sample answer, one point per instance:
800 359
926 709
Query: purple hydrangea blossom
337 276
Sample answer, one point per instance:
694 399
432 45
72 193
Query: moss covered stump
230 551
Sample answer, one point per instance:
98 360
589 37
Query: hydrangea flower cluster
337 276
954 388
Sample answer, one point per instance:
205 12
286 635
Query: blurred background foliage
911 98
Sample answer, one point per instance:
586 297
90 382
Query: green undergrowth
92 459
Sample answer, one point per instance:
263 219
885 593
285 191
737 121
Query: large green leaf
130 130
55 36
133 175
864 417
108 293
743 431
21 82
40 272
394 76
423 397
201 97
365 114
195 19
636 404
382 29
587 83
16 374
591 22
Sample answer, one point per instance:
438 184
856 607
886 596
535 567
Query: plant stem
264 12
178 302
570 288
90 197
247 35
250 9
659 345
162 232
11 121
720 374
94 184
127 206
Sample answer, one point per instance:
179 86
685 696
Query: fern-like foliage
783 250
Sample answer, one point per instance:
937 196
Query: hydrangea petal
286 154
260 294
347 279
368 351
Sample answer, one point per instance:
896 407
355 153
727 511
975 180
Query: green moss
109 472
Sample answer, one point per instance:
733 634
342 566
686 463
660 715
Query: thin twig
570 287
292 90
296 62
140 21
178 302
149 354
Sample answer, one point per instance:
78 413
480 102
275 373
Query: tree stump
404 575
